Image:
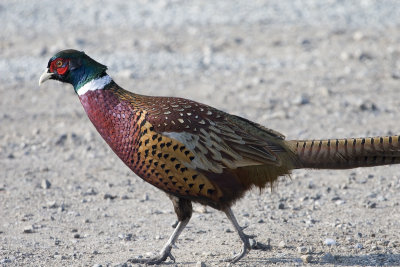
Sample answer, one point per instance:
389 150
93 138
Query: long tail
346 153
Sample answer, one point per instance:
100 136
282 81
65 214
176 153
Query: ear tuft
75 63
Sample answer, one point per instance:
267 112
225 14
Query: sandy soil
308 69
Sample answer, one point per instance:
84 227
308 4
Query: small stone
260 221
200 209
328 258
228 230
52 204
371 205
368 106
282 244
281 206
90 192
357 36
61 140
125 237
97 265
364 56
109 196
200 264
74 230
329 242
306 258
61 208
45 184
28 229
77 236
301 100
358 246
395 75
302 250
5 260
374 247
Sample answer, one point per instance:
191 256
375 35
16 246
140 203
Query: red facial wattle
63 69
59 65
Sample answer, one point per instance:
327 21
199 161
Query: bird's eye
59 63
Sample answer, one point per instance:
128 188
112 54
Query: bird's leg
245 239
183 209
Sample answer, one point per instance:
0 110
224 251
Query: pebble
368 106
200 264
200 209
302 250
45 184
90 192
329 242
371 205
282 244
28 229
126 237
281 206
5 260
109 196
306 258
97 265
358 246
52 204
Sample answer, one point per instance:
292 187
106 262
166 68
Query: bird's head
74 67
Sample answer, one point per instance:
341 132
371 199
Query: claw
165 253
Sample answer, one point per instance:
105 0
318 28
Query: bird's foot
245 249
164 254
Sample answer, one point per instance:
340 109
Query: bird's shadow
378 259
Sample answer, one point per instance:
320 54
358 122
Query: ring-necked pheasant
194 152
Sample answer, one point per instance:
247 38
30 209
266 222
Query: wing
215 139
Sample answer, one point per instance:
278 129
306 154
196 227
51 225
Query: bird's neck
97 83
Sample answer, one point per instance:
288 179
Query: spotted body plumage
194 152
178 144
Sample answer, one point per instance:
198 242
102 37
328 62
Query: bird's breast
116 121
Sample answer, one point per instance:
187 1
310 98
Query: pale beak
45 76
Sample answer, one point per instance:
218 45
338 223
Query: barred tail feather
346 153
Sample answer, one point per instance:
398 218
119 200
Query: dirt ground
308 69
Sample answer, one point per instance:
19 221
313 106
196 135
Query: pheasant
196 153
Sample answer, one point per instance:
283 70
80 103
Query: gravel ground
309 69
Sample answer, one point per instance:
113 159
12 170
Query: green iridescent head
74 67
